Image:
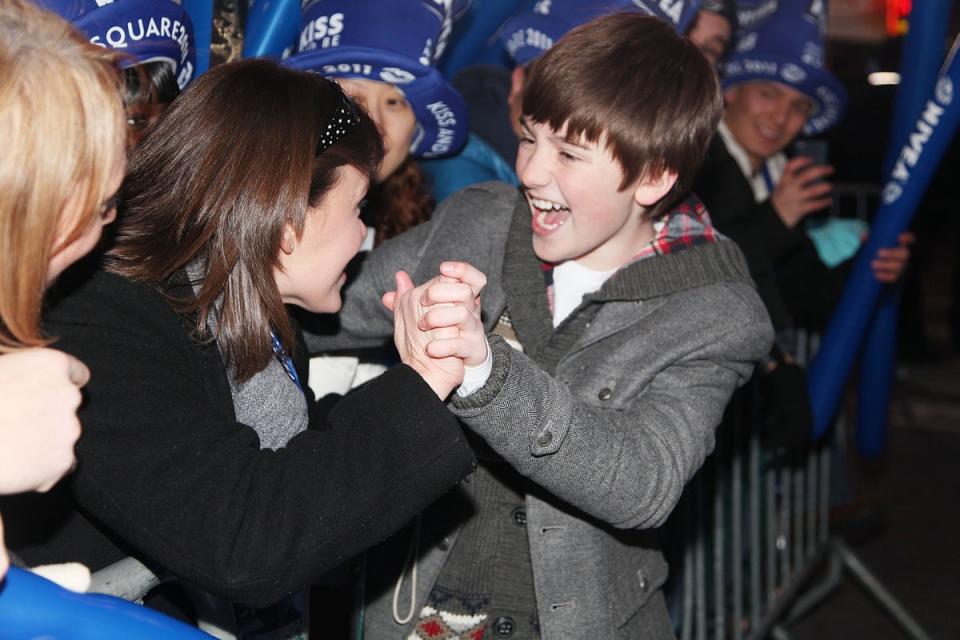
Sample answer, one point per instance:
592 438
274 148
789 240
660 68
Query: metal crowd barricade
755 525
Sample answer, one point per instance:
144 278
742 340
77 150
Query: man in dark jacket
775 88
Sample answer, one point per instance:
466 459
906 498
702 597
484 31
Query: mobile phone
811 148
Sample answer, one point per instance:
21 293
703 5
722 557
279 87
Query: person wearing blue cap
776 88
417 111
156 44
394 77
494 94
619 325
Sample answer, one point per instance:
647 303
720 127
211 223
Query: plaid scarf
685 226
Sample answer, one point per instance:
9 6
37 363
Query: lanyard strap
285 360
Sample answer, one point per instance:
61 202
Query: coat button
504 626
519 517
605 393
544 438
444 544
643 580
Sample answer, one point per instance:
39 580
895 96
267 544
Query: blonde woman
62 126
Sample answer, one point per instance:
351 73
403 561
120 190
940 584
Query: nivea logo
922 132
395 75
793 74
322 32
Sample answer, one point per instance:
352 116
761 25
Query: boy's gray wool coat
636 381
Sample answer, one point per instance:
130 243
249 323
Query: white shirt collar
774 164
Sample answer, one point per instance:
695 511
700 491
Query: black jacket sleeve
165 467
755 227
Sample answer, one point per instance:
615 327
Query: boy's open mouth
548 215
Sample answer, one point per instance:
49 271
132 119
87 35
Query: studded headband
343 121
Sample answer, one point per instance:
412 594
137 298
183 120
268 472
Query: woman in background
416 110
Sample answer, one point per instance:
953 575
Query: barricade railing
755 524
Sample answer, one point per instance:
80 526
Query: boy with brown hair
628 323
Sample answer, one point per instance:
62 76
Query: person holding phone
775 90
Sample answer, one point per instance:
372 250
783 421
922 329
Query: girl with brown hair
205 456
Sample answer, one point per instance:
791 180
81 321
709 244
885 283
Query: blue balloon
918 73
34 607
915 164
272 26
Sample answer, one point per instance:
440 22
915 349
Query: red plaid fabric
686 226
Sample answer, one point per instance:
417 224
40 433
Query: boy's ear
649 191
517 78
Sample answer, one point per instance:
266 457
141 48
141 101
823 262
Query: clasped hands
437 326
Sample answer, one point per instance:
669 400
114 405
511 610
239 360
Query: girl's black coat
166 473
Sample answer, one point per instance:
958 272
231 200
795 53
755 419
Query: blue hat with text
396 42
787 48
530 33
145 30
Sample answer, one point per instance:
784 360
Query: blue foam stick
272 26
922 51
34 607
201 15
916 163
876 375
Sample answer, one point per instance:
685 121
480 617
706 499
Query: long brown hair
230 163
62 127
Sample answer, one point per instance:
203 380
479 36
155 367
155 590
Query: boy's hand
801 190
443 374
453 300
890 263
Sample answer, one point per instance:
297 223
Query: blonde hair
62 126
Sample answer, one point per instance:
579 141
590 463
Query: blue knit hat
788 48
396 42
145 30
528 34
